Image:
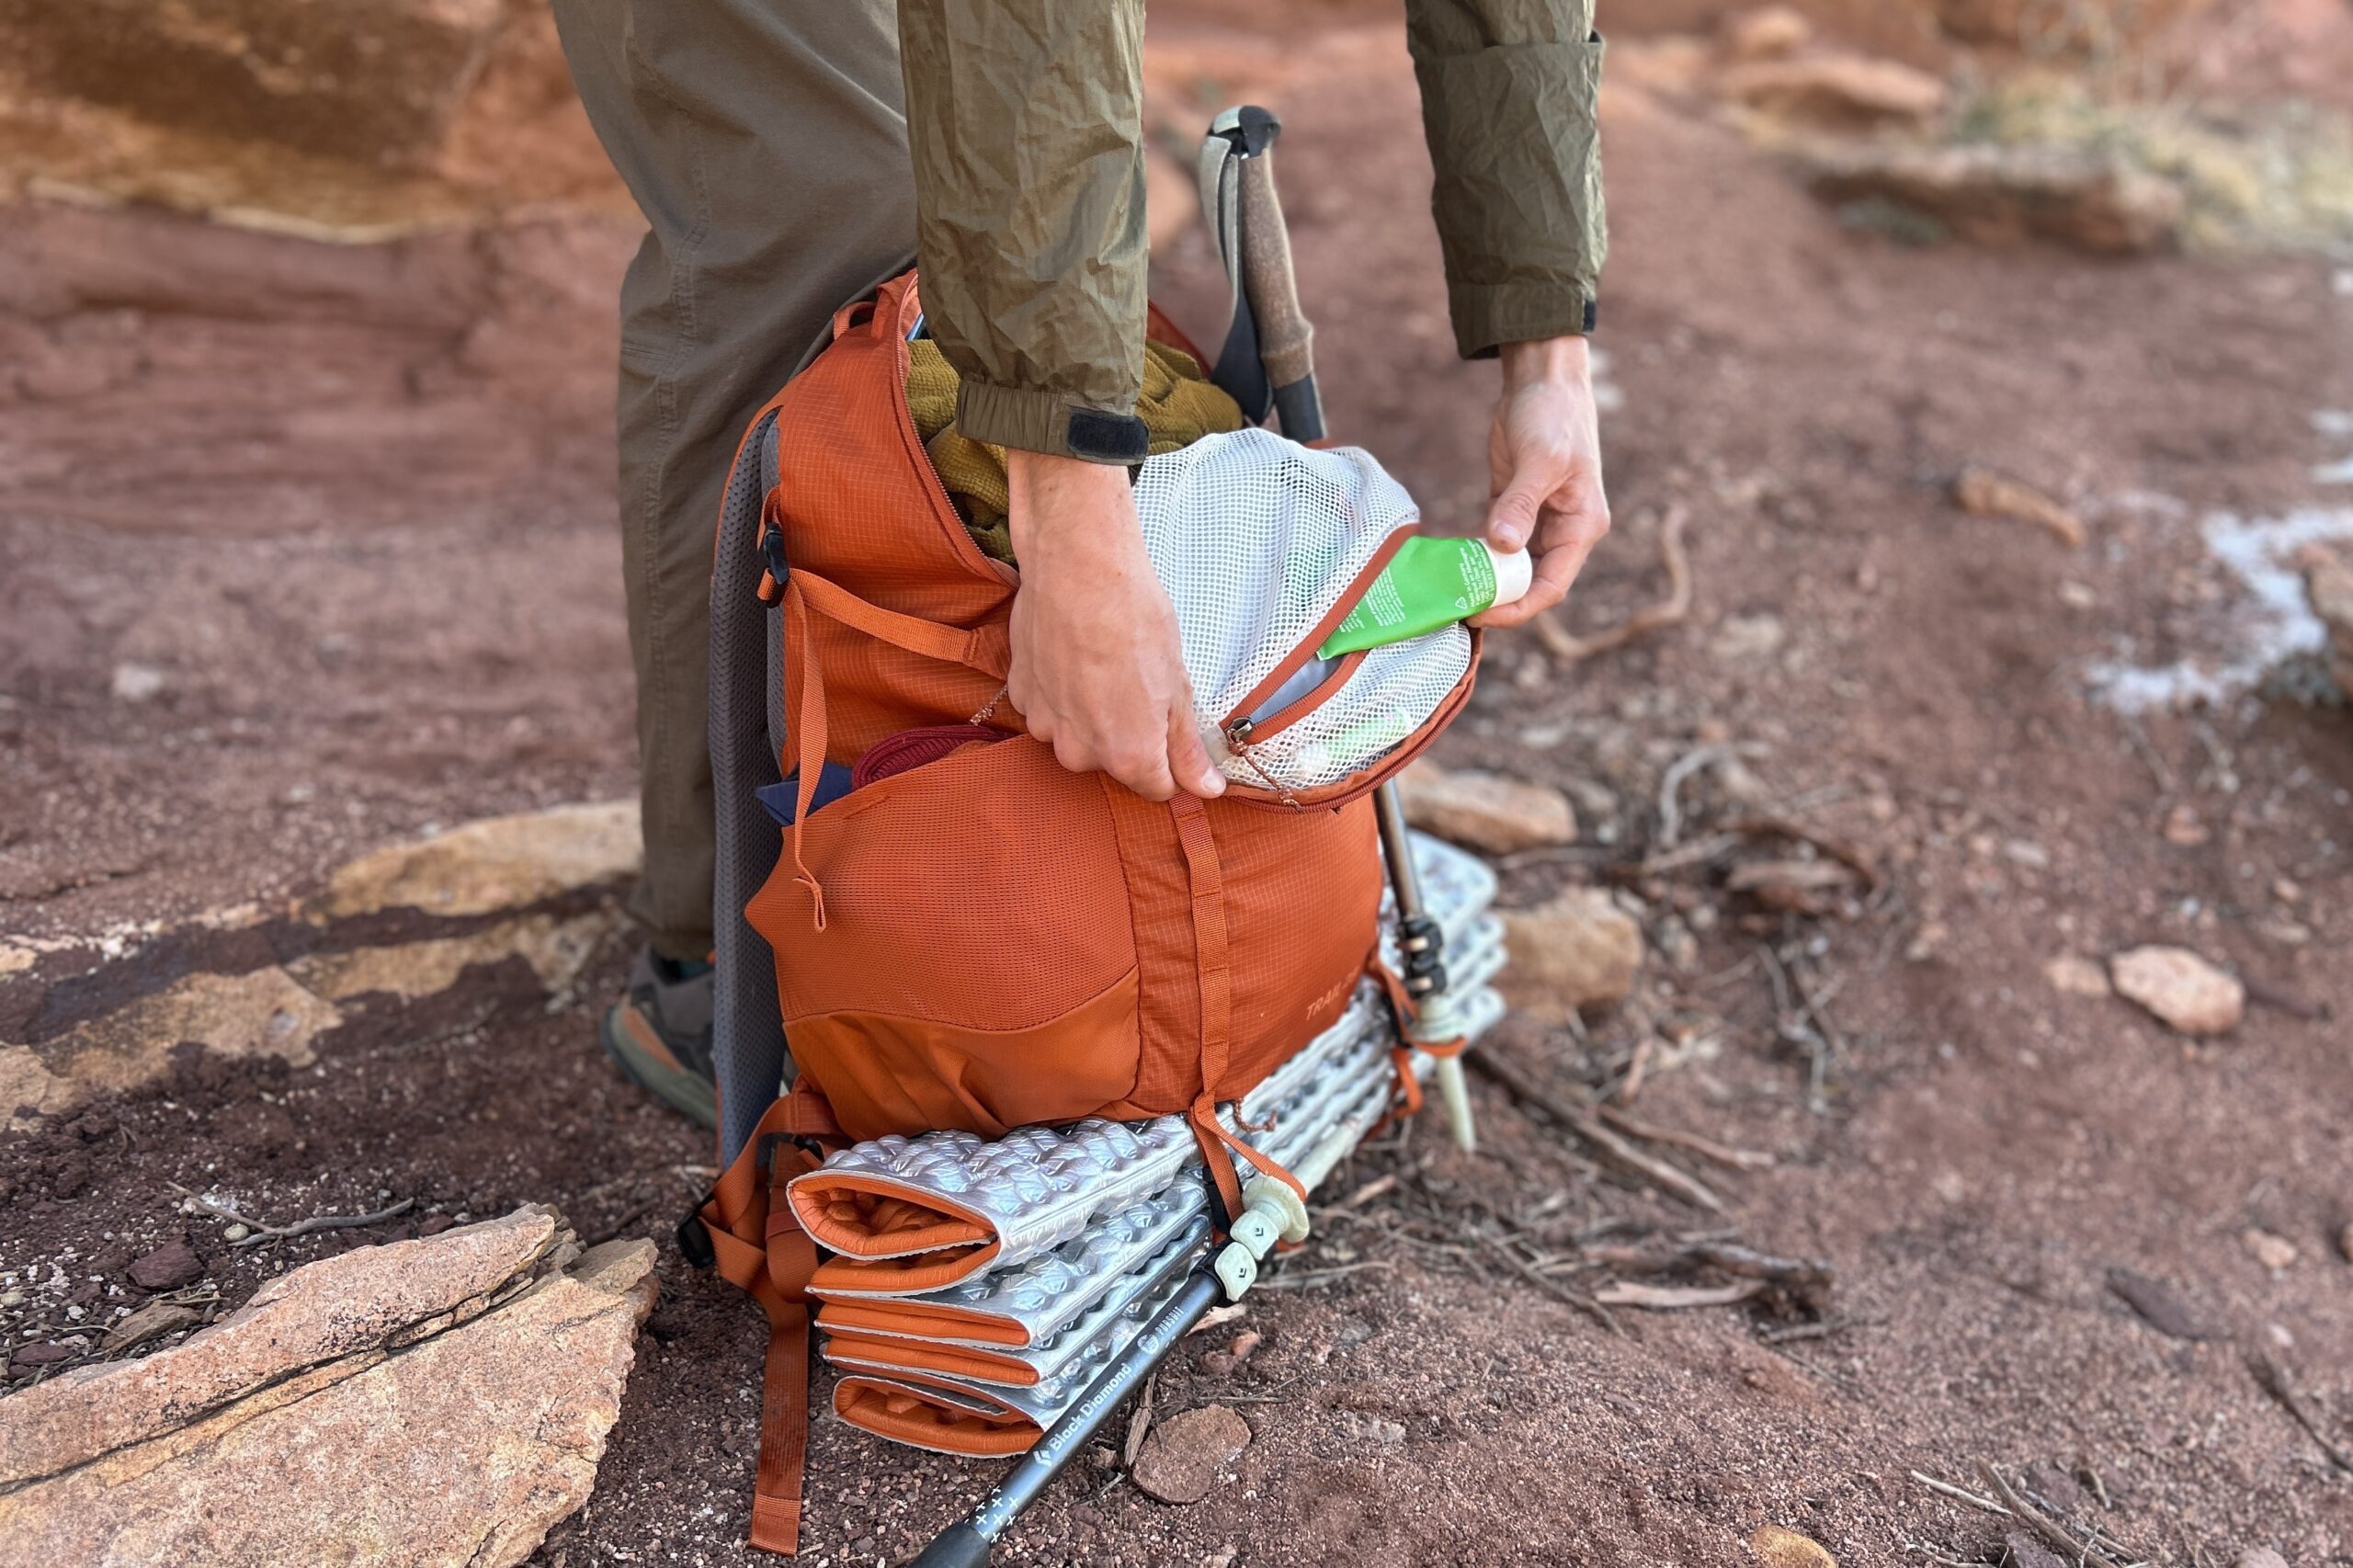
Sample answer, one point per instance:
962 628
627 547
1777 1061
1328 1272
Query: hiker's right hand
1099 672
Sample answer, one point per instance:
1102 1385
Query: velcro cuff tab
1107 438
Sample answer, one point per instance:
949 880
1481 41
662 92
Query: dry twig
1551 1286
1705 1148
1803 1281
264 1233
1569 648
2042 1524
1789 1333
1614 1150
2280 1384
1674 1298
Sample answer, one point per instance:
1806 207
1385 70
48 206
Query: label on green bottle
1428 583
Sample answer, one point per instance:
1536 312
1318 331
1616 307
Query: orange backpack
985 940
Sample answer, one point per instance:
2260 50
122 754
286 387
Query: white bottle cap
1513 574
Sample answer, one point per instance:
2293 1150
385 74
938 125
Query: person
789 155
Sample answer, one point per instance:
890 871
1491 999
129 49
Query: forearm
1025 125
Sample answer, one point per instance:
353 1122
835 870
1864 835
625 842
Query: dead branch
1789 1333
1569 648
1670 789
1551 1286
1804 1281
1140 1422
2280 1384
267 1232
1705 1148
1959 1495
2042 1524
1675 1297
1615 1151
1838 849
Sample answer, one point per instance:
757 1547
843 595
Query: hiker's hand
1099 672
1544 469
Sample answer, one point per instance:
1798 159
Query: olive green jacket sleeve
1024 123
1510 93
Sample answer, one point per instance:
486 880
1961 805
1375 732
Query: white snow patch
2275 623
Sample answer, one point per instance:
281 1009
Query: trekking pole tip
958 1546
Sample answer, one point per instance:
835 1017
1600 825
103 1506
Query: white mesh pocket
1256 538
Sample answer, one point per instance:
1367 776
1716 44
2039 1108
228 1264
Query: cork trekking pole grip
1286 341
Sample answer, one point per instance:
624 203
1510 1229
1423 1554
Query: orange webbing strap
784 1379
812 725
760 1247
1404 1009
988 649
1212 958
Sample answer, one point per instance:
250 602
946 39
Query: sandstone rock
1181 1460
2260 1557
1796 887
264 1013
1485 810
2268 1248
1779 1548
1578 949
1985 493
2073 976
168 1267
1841 91
290 1432
498 864
375 82
1990 194
555 950
2161 1306
1768 34
2181 988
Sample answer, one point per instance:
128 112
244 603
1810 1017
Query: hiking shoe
659 1034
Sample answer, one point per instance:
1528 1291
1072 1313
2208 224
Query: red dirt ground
353 506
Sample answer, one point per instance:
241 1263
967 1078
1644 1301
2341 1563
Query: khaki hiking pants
765 144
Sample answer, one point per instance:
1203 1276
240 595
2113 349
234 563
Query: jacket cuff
1039 421
1488 316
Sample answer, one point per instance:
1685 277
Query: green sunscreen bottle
1428 583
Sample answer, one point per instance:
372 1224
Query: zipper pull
1238 733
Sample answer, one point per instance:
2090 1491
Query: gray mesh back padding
747 1030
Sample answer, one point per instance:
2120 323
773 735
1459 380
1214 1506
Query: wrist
1546 359
1053 500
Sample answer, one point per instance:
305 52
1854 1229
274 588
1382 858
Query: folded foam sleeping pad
952 1396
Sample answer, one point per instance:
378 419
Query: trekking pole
1272 1213
1270 353
1423 943
1238 190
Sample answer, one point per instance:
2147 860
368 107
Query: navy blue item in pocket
832 783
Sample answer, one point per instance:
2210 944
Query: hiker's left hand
1544 469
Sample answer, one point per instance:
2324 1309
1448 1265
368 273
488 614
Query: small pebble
235 1233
